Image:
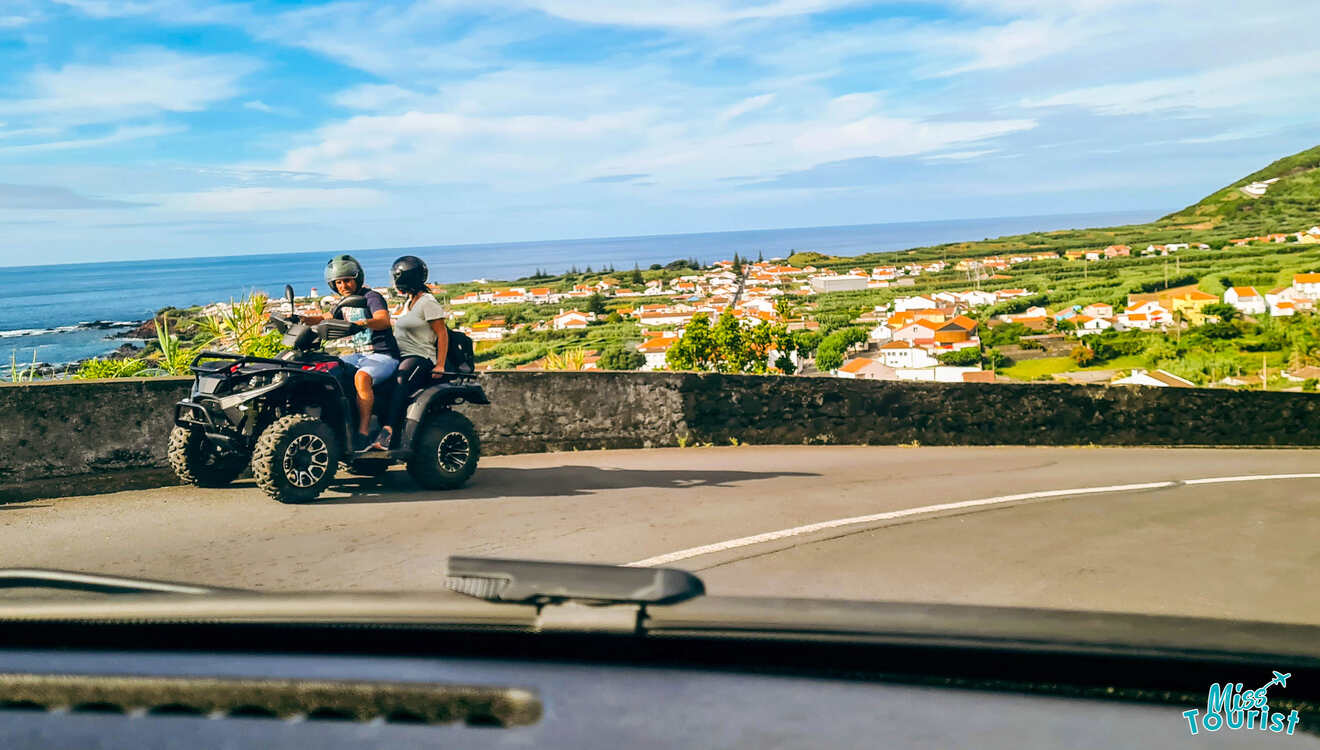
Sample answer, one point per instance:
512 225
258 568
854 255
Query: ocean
44 310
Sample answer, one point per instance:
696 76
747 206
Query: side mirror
288 296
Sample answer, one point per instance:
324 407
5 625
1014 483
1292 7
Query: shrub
965 357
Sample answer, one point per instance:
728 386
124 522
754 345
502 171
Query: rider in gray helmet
374 353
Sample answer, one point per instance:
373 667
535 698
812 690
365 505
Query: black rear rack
233 359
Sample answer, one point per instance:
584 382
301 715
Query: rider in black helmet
374 350
422 337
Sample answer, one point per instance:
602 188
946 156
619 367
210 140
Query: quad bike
292 418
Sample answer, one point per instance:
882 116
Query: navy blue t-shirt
366 340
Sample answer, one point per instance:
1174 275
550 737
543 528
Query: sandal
383 439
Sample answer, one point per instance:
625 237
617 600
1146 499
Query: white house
939 374
571 320
1088 325
1246 299
903 304
1098 310
838 283
1308 284
903 354
862 368
977 298
654 350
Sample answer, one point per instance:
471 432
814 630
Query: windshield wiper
39 578
540 583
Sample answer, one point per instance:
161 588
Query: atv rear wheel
446 452
200 462
295 459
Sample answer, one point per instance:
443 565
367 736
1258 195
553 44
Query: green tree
614 317
964 357
620 358
1083 355
737 264
784 308
829 356
830 353
1222 310
997 360
637 276
695 350
732 353
728 346
596 304
1308 385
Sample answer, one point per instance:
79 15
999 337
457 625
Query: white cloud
694 142
750 104
961 155
1017 43
136 84
682 14
118 135
251 199
1273 81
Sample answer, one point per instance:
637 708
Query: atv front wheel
295 459
445 453
200 462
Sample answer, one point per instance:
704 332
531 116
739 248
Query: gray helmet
344 267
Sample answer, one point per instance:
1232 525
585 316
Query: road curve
1124 529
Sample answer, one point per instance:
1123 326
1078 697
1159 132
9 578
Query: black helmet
409 274
344 267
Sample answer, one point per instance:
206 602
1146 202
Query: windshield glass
989 303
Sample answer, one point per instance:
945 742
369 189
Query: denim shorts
378 366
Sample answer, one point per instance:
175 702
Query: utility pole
1264 374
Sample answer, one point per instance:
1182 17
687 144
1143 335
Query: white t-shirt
412 327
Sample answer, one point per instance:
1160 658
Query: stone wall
82 437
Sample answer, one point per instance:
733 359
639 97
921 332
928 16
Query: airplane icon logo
1279 679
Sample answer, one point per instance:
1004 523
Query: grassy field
1036 368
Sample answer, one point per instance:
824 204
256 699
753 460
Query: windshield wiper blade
538 582
40 578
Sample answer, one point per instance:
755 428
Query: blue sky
155 128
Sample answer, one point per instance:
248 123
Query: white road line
771 536
1251 478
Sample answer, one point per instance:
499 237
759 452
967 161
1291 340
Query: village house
862 368
958 333
917 331
1099 310
1190 304
655 348
1307 284
903 304
904 354
1087 325
571 320
1246 299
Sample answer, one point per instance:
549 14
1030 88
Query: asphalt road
853 522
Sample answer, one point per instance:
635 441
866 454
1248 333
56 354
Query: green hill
1286 205
1289 205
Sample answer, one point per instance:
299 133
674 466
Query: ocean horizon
44 307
